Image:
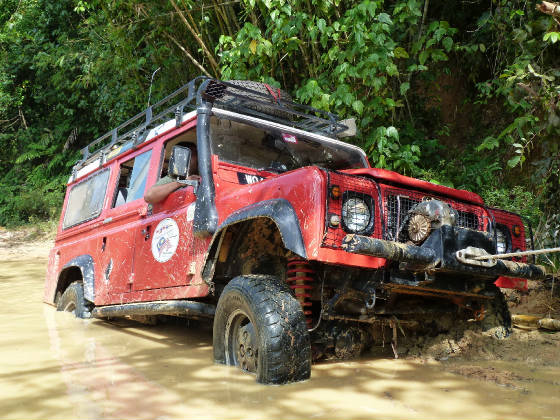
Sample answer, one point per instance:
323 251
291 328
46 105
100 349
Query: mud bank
55 366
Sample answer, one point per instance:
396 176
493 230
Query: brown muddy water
55 366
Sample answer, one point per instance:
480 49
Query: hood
417 184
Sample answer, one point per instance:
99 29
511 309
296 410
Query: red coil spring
299 275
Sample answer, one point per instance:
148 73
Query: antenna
151 83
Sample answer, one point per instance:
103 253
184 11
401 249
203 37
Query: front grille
398 206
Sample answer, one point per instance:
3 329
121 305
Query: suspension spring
299 276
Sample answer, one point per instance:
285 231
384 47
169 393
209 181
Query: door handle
146 233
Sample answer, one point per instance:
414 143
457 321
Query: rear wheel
259 327
72 300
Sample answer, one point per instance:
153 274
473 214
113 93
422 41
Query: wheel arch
80 268
278 212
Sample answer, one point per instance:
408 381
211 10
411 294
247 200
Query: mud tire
72 300
266 305
260 88
497 319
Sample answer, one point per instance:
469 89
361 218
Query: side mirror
179 162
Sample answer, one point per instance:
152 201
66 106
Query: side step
160 307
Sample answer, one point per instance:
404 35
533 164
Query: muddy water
55 366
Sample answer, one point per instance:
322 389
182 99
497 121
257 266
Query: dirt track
55 366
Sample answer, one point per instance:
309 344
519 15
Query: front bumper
438 254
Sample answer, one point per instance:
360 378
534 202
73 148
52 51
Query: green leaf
552 37
384 18
390 102
392 132
322 25
358 106
439 55
400 52
423 56
512 163
253 46
447 43
404 87
489 143
392 70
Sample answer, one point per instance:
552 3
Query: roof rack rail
226 95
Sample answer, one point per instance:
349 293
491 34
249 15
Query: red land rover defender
290 241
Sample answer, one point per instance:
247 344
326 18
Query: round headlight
355 214
501 244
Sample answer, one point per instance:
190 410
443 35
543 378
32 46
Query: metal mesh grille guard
236 98
398 204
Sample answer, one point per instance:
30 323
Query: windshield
276 151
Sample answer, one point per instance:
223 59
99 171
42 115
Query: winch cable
516 254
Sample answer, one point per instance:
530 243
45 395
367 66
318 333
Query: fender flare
86 266
279 210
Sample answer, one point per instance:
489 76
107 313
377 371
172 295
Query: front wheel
72 300
259 327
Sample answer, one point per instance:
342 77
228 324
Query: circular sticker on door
165 240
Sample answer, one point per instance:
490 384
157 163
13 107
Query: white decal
165 240
252 179
190 212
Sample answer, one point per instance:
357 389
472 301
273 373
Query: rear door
116 244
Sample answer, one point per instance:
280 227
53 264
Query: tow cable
480 257
517 254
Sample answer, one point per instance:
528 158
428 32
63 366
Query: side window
85 200
132 179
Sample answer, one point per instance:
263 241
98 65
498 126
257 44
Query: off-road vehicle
290 241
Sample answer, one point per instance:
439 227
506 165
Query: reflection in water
98 384
56 366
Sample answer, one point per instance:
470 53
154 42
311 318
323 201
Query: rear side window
85 200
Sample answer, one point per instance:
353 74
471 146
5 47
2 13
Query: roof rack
224 94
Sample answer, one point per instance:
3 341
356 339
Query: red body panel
517 243
304 188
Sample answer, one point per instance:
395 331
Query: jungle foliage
463 93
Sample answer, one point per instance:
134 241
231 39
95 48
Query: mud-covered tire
72 300
263 308
260 88
497 318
